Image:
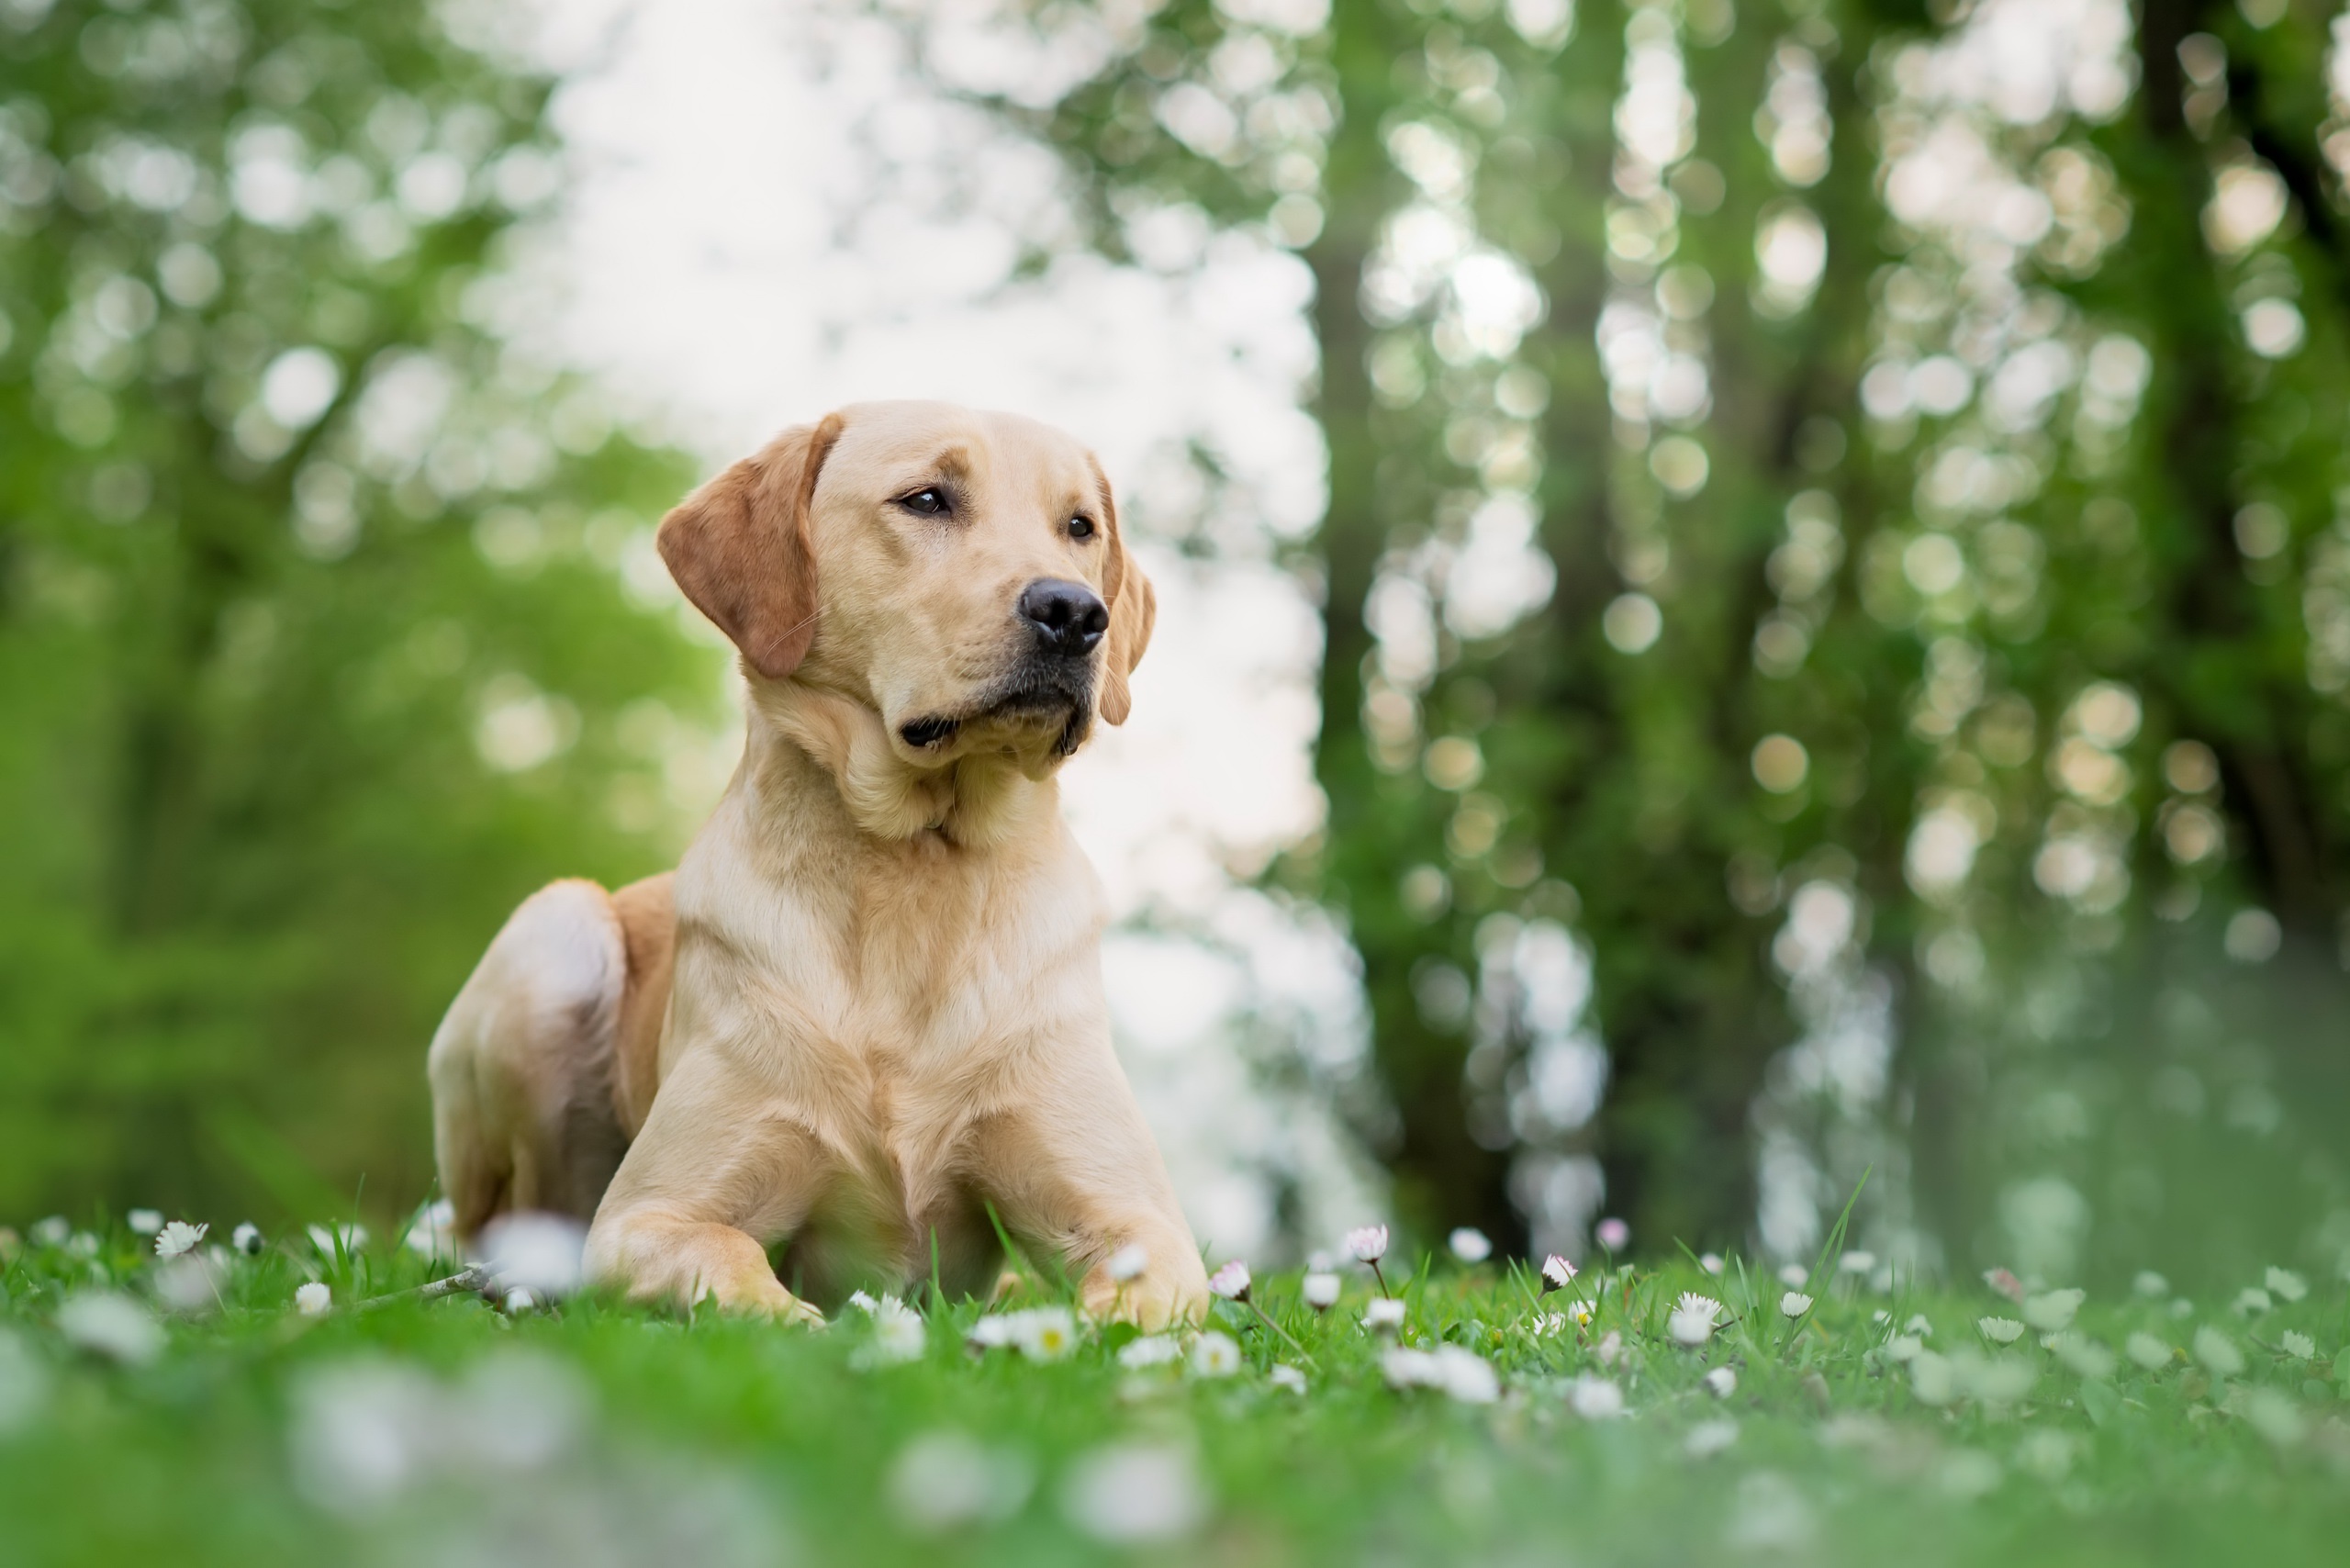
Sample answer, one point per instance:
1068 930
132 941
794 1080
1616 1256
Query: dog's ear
1134 608
739 547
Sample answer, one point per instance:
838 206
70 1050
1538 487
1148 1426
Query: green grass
448 1432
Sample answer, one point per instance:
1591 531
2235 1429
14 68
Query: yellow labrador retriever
867 1006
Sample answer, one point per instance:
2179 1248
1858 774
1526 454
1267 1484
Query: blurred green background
1858 555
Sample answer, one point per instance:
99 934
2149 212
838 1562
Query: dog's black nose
1069 618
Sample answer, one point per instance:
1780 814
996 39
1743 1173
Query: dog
863 1019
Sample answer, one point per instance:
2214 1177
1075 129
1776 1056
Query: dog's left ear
739 547
1133 608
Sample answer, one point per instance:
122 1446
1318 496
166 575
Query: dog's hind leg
522 1066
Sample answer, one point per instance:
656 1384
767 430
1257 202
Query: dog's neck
976 801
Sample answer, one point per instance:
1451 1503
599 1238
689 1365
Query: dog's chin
1036 725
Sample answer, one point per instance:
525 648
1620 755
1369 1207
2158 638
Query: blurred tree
314 651
1796 581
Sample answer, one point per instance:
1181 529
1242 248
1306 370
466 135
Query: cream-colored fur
868 1008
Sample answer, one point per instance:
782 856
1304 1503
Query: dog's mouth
1021 703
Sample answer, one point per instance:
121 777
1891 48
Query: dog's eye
928 501
1080 528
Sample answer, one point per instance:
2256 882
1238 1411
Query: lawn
1877 1425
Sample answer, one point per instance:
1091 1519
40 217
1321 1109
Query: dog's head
959 572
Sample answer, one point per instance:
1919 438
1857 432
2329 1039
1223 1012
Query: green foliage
1960 663
313 652
1874 1426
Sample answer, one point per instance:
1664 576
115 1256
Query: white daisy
1231 1282
2000 1330
1595 1398
313 1298
2149 1283
1613 1234
1214 1355
1127 1262
178 1239
1470 1245
898 1333
1693 1318
2147 1352
1794 1303
2218 1352
1711 1262
145 1221
1321 1291
246 1238
1723 1381
1794 1276
1367 1244
1557 1273
1047 1333
2053 1310
2286 1283
1707 1438
1287 1377
111 1325
2298 1345
1150 1350
2252 1301
1386 1312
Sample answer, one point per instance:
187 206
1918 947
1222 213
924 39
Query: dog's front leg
1077 1165
712 1171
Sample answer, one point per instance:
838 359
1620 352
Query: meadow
300 1399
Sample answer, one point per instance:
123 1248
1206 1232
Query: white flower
1692 1322
520 1300
1214 1355
1723 1381
1613 1234
1288 1377
1471 1245
1610 1350
1794 1303
2148 1351
946 1479
1919 1326
2272 1413
50 1232
2052 1311
1857 1262
1386 1312
178 1238
1580 1313
542 1254
994 1331
1707 1438
434 1232
1045 1333
863 1302
246 1238
1794 1275
1405 1368
1321 1291
898 1335
2286 1283
1465 1376
2298 1345
2218 1352
313 1298
111 1325
1595 1398
1933 1378
1231 1282
1367 1244
2251 1302
1133 1492
1150 1350
1711 1262
1557 1273
2000 1330
145 1221
2149 1283
2084 1355
1127 1262
1903 1347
